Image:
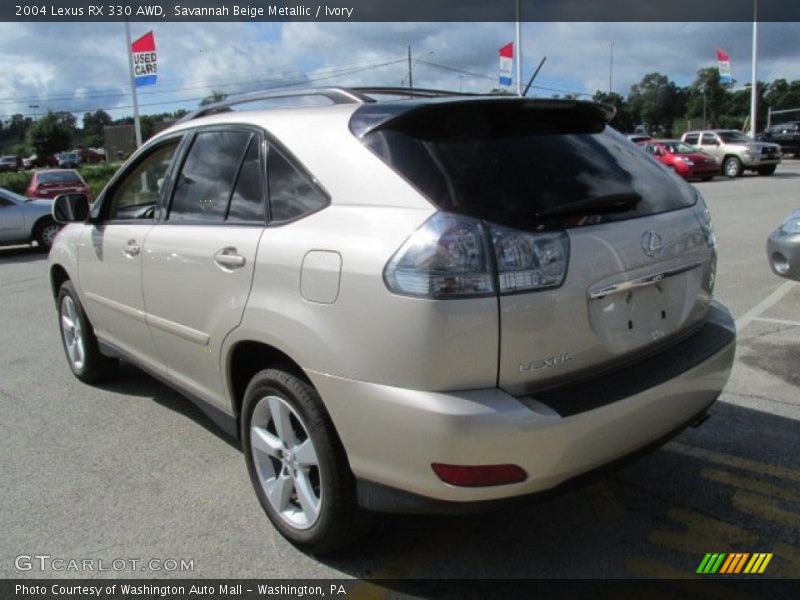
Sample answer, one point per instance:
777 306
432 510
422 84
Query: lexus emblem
651 243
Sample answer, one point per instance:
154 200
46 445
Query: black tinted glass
531 180
204 185
291 193
247 203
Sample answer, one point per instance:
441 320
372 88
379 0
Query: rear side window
540 169
206 180
247 202
708 139
292 193
691 139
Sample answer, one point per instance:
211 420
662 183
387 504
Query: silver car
24 221
408 304
783 248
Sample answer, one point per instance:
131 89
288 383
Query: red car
49 183
687 161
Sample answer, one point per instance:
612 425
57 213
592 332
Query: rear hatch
641 255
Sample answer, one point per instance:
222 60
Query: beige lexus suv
401 301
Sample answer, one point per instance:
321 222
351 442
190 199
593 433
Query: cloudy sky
83 66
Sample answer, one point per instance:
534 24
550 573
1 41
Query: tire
732 167
298 467
45 233
767 170
77 337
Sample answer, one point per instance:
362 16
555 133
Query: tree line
660 107
655 104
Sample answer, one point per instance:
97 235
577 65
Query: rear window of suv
524 167
59 177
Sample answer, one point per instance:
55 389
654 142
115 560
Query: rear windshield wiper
610 203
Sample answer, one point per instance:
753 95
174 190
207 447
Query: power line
482 76
280 83
201 83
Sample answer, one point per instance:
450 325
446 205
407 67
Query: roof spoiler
510 113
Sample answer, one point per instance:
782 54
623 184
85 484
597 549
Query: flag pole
137 126
519 54
754 85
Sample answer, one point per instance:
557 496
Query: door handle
132 248
229 258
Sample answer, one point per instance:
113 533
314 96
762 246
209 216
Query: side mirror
71 208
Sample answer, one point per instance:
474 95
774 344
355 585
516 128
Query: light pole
754 88
34 107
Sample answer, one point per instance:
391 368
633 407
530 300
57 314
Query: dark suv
786 134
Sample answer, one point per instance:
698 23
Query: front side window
136 195
204 186
292 194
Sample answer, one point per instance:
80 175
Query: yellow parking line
765 508
735 461
751 485
700 532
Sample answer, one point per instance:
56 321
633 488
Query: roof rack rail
337 95
413 92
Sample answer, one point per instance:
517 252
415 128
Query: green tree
656 101
623 120
93 128
707 96
52 133
216 96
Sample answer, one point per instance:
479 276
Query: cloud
81 66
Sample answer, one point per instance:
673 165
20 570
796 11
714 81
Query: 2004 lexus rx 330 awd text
401 303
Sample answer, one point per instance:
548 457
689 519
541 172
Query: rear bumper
392 435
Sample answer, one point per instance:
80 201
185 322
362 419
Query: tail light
452 256
479 475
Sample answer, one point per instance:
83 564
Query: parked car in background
787 135
783 248
89 156
24 221
10 164
687 161
35 162
638 137
69 160
737 152
539 293
49 183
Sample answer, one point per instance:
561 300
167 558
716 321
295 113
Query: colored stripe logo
734 563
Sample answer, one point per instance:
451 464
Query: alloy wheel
73 333
286 462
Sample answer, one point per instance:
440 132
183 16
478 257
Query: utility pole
754 87
410 76
610 66
137 126
34 107
705 126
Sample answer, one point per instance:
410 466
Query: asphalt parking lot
131 470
